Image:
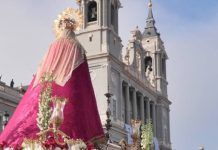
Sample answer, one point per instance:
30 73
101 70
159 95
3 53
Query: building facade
9 99
136 79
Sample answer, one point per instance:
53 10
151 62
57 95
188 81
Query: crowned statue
60 100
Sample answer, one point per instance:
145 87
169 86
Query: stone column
120 99
159 122
168 116
142 108
1 121
147 109
123 103
154 118
105 18
158 75
158 64
134 104
127 113
84 8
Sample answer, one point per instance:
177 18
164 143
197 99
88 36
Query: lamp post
5 119
108 113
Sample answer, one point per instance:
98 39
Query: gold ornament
73 16
78 1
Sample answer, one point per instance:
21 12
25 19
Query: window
148 63
164 68
112 14
92 11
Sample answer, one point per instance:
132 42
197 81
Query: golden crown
72 16
78 1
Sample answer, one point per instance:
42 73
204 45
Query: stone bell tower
99 36
155 64
99 33
156 55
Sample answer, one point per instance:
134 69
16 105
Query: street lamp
108 113
5 119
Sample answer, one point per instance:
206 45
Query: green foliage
45 99
147 135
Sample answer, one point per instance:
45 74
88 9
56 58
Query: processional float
50 114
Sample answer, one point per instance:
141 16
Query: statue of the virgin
66 62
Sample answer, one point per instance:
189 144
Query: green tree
146 135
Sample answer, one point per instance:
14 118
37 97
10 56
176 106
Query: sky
189 29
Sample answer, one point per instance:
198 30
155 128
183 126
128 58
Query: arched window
112 14
148 63
92 11
163 68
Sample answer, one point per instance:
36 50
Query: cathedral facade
135 74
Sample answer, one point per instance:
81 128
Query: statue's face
67 24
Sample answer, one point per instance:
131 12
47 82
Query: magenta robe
81 117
